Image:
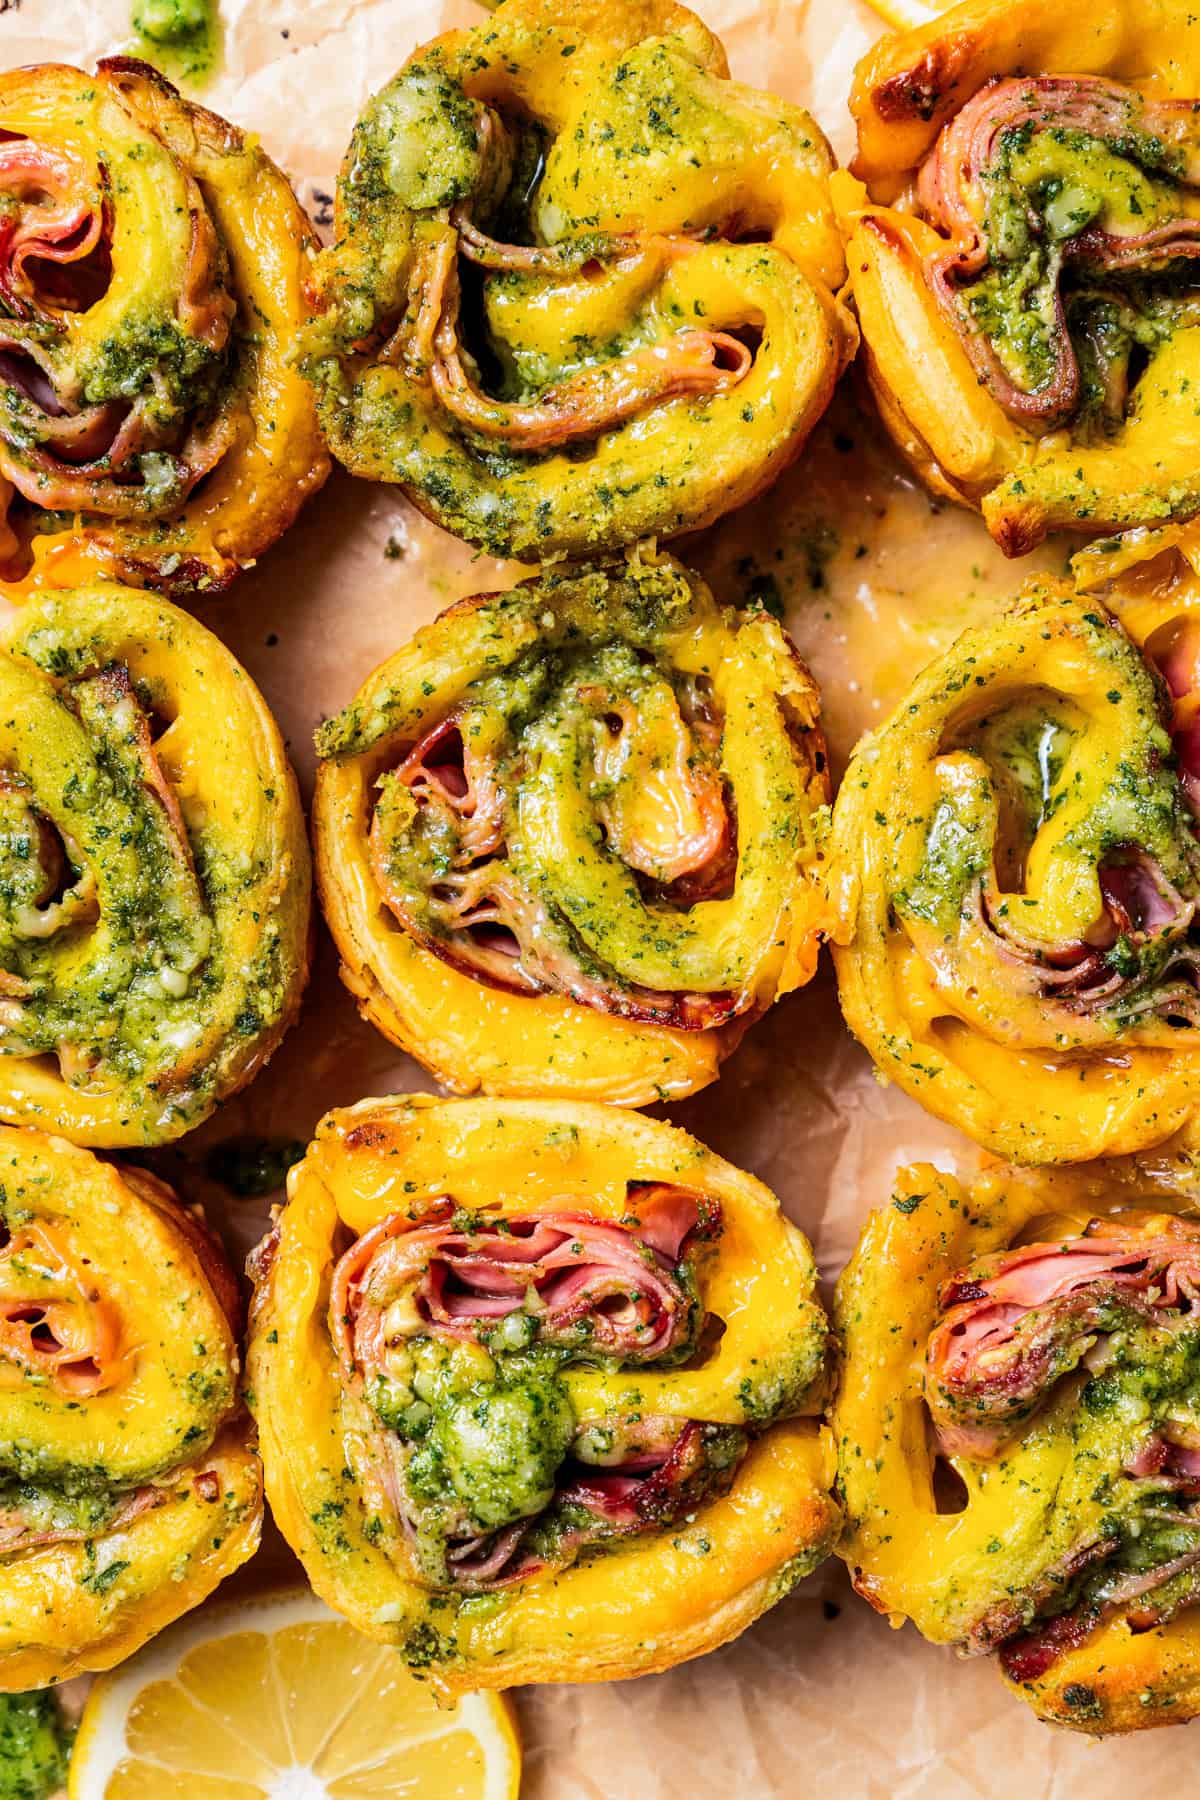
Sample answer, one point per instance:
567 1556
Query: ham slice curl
567 1270
1014 1322
954 185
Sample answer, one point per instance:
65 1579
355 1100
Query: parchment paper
820 1698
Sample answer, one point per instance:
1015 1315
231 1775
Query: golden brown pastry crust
154 277
644 1604
130 1386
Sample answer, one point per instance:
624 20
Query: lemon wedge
276 1698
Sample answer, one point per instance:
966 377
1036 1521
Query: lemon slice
276 1698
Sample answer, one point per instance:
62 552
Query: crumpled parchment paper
821 1697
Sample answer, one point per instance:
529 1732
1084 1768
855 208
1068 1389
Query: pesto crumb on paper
181 36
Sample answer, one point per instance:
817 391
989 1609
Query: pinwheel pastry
1018 1434
582 288
565 837
1017 876
152 266
528 1376
154 875
1023 258
128 1485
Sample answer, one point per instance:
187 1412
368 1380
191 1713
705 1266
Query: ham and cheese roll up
534 1382
1150 580
128 1487
1023 258
152 263
565 837
1017 878
155 889
1019 1434
583 285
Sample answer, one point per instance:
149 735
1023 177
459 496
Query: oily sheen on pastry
1016 875
566 837
152 269
155 890
1022 257
1019 1433
128 1485
502 1425
582 288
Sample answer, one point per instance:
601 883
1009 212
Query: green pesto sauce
1026 747
416 144
155 357
494 1447
486 1425
183 36
1071 182
775 1389
1153 1380
114 1009
522 373
35 1746
485 1435
651 119
70 1507
1031 762
957 855
110 919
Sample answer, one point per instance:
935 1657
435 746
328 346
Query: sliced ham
1014 1322
59 1329
1142 908
480 917
72 455
570 1270
953 186
627 1495
1004 1621
1031 1654
1176 655
593 400
59 216
547 259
